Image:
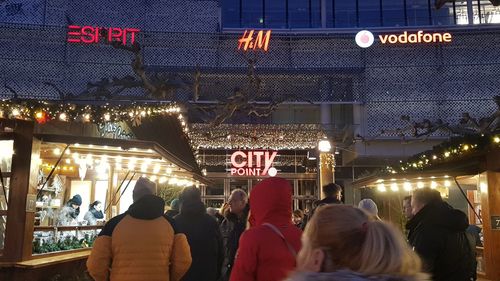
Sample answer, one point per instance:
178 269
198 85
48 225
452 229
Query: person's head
369 206
190 195
344 237
143 187
297 216
407 207
333 190
237 201
421 197
271 202
75 201
96 205
174 205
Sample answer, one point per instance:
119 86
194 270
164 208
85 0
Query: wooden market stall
467 178
41 172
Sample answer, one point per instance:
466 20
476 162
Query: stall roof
126 145
458 167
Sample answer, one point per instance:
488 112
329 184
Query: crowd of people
258 237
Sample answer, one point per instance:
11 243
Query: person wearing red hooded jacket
268 248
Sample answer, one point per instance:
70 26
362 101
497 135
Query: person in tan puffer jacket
141 244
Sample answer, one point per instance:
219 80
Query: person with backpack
268 249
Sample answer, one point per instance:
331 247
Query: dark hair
426 196
97 202
407 198
190 194
298 214
331 189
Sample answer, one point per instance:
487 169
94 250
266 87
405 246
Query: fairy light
420 184
381 187
447 183
394 187
434 185
63 117
407 186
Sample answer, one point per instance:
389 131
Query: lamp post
325 164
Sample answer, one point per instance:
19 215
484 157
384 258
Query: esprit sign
253 163
93 34
365 38
252 40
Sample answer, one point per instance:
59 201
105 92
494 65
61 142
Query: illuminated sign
250 42
365 38
93 35
253 163
419 37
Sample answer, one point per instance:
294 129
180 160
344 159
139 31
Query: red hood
271 202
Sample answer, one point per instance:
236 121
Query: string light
256 136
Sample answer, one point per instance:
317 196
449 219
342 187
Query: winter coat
231 229
68 215
263 255
347 275
437 234
92 216
141 244
205 241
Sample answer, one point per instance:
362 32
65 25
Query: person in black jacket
233 225
437 234
204 237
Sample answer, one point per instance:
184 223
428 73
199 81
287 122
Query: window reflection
298 14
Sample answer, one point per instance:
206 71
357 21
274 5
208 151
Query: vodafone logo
365 39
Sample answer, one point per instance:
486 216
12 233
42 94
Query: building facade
313 67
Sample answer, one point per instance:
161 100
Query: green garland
45 111
447 151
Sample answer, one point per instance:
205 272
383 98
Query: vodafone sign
253 163
365 38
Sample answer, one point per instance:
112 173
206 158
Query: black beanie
77 200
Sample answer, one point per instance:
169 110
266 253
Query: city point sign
92 35
250 42
253 163
365 38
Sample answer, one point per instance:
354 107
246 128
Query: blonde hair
354 241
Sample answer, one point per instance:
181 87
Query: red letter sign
243 164
247 41
91 35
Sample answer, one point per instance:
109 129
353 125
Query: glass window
214 203
237 183
252 13
315 13
345 13
298 11
461 14
276 16
485 12
417 12
217 188
443 16
393 13
231 13
369 13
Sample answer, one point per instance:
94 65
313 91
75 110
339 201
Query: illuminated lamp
324 146
41 117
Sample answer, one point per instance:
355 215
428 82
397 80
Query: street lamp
324 146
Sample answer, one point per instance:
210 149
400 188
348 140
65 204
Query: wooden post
20 223
490 207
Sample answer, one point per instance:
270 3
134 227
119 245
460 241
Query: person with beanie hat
204 237
369 206
141 244
174 208
70 212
